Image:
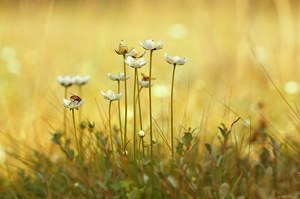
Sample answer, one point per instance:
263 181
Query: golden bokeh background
40 40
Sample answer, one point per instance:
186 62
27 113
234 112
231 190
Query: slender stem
134 113
142 141
172 112
74 126
65 113
125 121
120 120
143 147
150 104
79 120
80 110
140 110
110 131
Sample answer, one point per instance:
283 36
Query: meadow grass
235 126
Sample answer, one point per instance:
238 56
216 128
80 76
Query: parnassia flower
133 53
123 50
175 60
80 80
74 103
144 84
135 63
65 80
149 44
110 95
141 133
145 81
117 77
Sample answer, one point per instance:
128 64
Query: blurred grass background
40 40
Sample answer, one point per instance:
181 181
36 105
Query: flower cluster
68 80
135 60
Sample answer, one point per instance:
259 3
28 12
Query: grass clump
93 162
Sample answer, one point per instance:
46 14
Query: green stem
134 113
120 120
65 113
125 83
74 126
110 131
150 120
142 141
140 109
172 112
150 104
80 110
143 147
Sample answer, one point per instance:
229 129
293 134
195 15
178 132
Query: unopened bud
141 133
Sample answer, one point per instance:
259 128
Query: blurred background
225 42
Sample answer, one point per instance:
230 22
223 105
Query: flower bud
123 50
154 140
82 125
141 133
91 124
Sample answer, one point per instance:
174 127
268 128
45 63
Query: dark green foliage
217 171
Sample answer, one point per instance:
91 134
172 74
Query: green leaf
102 185
125 183
235 185
208 148
187 138
219 160
180 149
172 181
56 138
70 154
108 174
223 130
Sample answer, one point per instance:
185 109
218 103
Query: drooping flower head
65 81
118 77
110 95
149 44
80 80
135 63
123 50
175 59
74 103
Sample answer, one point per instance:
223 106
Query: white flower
145 81
141 133
110 95
149 44
73 104
144 84
117 77
135 63
133 53
80 80
175 59
65 80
